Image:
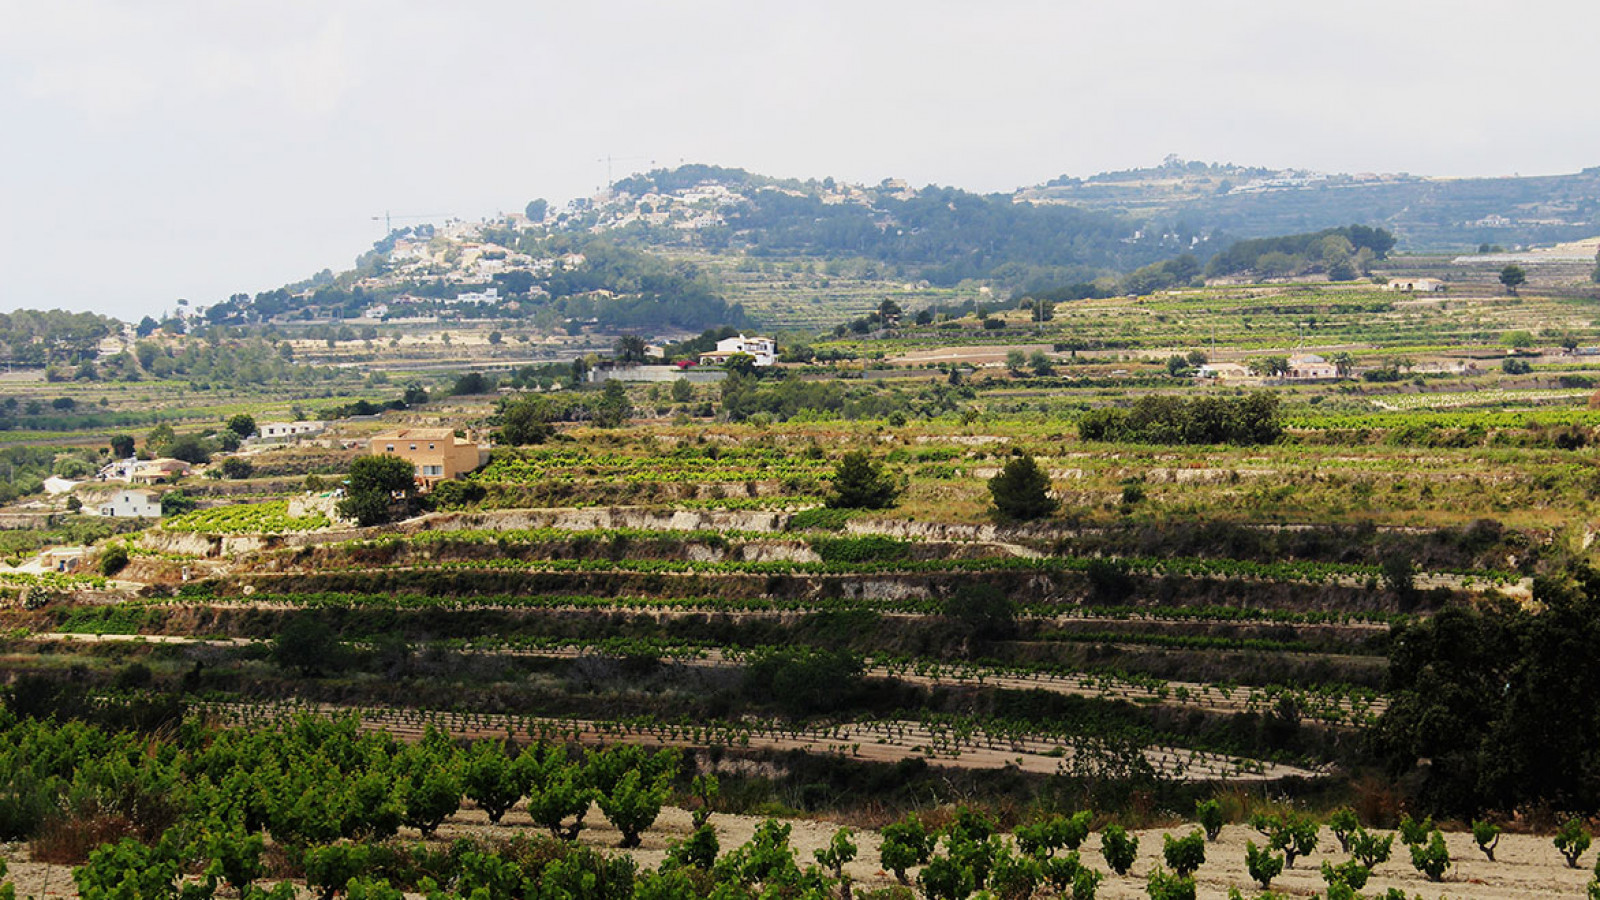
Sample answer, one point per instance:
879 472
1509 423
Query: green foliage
1498 698
374 483
1119 848
819 518
431 797
1209 814
1293 833
1164 419
1572 839
525 419
113 559
1487 836
1351 873
1165 886
128 870
1021 490
242 425
1413 832
1044 837
1262 864
1185 854
904 844
839 852
698 850
1431 858
235 857
1343 823
1371 850
490 780
1513 276
1291 254
859 482
308 645
176 503
632 805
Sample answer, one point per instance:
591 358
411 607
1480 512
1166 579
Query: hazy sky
156 150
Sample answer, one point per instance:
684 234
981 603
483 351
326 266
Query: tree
613 409
176 503
536 209
740 364
307 645
631 348
375 483
525 420
242 424
1021 490
113 559
122 446
237 468
682 391
982 609
1513 276
861 483
1595 275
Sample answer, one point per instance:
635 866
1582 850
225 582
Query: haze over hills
698 246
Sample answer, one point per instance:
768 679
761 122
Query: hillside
1425 214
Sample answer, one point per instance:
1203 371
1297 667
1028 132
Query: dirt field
1525 867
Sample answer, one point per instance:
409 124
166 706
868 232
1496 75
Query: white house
1223 371
131 505
376 311
487 295
1309 366
1415 285
286 431
764 349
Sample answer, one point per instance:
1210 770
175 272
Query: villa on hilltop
764 349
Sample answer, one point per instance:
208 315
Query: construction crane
388 220
608 159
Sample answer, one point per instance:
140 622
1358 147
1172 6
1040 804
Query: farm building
437 453
1222 372
1415 285
132 505
1311 367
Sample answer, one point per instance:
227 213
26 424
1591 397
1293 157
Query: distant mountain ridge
1424 213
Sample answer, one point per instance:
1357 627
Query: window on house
389 449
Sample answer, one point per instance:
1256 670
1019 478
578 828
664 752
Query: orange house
437 453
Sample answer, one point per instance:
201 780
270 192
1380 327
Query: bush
1369 849
905 843
1487 835
1162 886
1352 873
113 559
1433 858
1343 823
1572 839
237 468
1262 864
1021 491
1413 832
1119 848
1209 814
1185 854
861 483
1294 834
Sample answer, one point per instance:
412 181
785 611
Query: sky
160 150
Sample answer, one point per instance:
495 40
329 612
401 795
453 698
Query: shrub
113 559
1048 835
1185 854
1370 849
1413 832
861 483
1294 834
1262 864
1572 840
1351 873
1209 814
1432 858
1487 835
1021 491
1162 886
1119 848
1343 824
905 843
